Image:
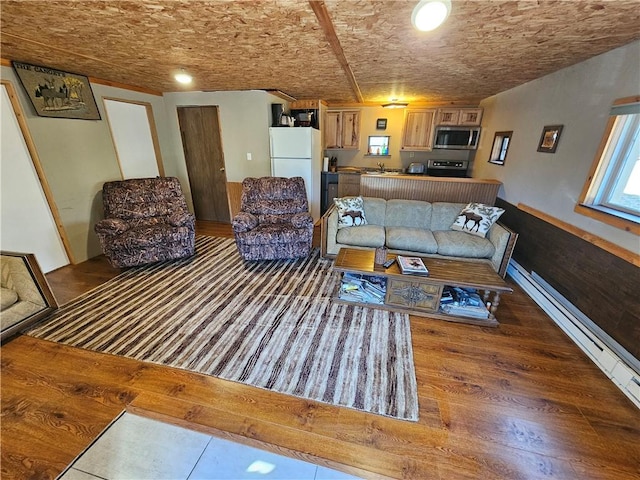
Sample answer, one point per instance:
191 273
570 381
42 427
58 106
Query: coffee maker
277 109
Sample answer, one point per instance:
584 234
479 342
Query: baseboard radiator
620 366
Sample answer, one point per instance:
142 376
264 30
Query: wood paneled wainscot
348 184
430 189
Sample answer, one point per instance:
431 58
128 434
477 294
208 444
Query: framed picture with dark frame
550 138
381 124
57 94
26 295
500 147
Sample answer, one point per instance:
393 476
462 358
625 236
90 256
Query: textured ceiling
352 51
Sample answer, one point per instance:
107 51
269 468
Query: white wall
578 97
77 157
244 123
26 222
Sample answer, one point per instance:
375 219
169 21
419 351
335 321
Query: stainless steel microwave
456 138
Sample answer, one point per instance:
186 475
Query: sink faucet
381 166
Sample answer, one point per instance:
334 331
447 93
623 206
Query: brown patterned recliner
274 220
145 220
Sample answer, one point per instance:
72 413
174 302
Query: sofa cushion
477 219
443 214
8 297
408 213
350 212
412 239
276 234
364 236
460 244
375 209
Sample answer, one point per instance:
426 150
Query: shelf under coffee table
421 295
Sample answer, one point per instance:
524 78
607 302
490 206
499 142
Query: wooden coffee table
420 295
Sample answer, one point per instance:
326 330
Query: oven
447 168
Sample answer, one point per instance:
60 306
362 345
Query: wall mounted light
183 77
430 14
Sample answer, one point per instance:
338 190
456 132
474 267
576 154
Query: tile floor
138 448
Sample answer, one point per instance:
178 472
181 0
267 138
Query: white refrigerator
297 152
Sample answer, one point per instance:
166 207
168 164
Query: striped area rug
267 324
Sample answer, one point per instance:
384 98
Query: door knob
222 169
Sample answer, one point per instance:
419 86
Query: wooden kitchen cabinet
418 129
459 116
306 104
342 129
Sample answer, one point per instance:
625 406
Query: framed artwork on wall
550 138
57 94
381 124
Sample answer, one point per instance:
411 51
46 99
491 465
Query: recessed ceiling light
183 77
430 14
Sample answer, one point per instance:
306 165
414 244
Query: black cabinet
329 190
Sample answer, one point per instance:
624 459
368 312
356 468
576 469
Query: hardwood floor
520 401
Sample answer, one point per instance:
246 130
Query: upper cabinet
342 129
418 129
459 116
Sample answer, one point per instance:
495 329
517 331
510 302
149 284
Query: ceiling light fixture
183 77
395 104
430 14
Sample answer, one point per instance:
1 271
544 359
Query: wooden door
200 131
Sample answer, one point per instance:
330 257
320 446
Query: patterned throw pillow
350 212
477 219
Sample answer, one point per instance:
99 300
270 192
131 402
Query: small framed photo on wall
381 124
550 138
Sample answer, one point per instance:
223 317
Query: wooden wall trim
234 192
600 242
35 159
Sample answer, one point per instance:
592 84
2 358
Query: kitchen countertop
412 176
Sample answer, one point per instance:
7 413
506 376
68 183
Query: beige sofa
414 227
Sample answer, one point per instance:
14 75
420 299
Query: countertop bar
430 189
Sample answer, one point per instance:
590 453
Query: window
500 147
378 145
612 191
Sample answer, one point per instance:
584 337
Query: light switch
249 156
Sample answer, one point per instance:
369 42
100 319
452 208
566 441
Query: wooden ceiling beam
320 9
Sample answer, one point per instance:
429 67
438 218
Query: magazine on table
412 265
363 288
